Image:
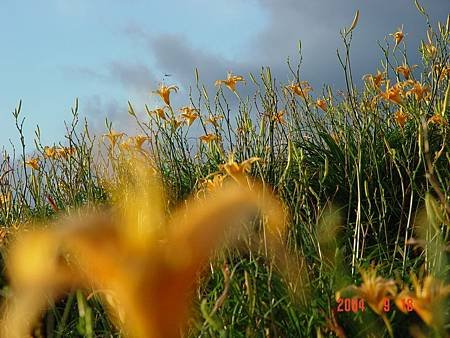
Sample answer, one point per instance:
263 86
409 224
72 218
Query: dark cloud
316 23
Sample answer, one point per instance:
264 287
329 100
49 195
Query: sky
106 52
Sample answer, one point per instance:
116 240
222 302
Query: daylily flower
214 120
230 81
301 89
139 140
238 170
147 264
33 163
49 152
164 92
175 123
376 79
208 138
279 117
398 36
64 152
401 118
126 145
216 182
189 114
113 137
159 112
393 94
427 300
438 119
375 290
134 142
405 70
322 104
420 91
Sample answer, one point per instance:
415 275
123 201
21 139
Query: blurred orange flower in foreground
427 300
374 289
145 263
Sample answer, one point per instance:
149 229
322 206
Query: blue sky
106 52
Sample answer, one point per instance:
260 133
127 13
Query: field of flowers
299 212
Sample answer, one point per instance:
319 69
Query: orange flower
376 79
322 104
70 151
238 170
164 92
211 184
49 152
230 81
175 123
375 290
159 112
147 263
208 138
437 119
301 89
405 70
401 118
189 114
64 152
426 301
393 94
279 117
214 120
33 163
398 36
420 91
139 141
113 137
126 145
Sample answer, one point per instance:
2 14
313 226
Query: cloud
98 108
315 23
135 76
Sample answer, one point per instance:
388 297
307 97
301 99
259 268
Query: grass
364 176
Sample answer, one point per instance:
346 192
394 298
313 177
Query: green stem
65 315
388 325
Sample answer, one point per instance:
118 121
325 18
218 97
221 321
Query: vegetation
363 177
